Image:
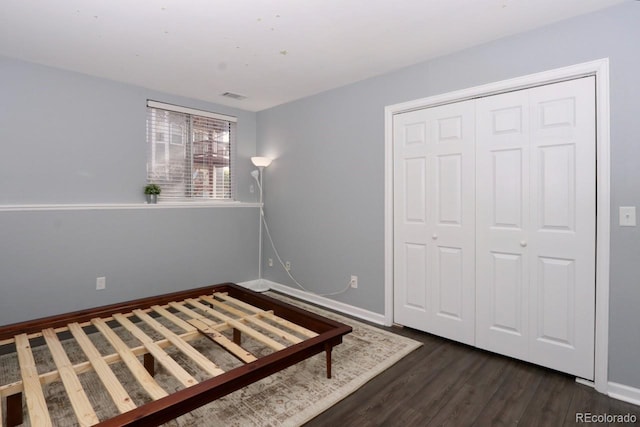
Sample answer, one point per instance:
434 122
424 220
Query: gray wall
70 138
50 260
324 191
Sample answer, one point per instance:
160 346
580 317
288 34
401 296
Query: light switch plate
627 216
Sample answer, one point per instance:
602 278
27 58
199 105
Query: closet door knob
434 237
523 243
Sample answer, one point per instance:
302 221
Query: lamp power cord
288 270
275 251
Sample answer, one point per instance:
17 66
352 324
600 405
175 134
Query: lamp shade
261 161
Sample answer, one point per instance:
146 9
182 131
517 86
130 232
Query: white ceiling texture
270 51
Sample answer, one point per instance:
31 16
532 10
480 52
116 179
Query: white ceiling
271 51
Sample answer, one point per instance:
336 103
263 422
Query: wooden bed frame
291 333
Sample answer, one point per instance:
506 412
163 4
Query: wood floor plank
438 389
386 391
446 387
392 390
618 407
508 404
585 400
463 408
500 391
548 408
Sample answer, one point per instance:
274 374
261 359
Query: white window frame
187 139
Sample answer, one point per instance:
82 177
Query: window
190 152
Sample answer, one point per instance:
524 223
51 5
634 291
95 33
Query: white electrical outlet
628 216
252 189
287 266
101 283
354 282
270 262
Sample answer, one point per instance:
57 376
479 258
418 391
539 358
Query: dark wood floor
446 383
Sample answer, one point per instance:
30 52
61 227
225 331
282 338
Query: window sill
127 206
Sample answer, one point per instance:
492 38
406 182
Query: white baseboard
248 283
588 383
338 306
624 392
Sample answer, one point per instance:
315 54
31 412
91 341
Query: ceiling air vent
234 96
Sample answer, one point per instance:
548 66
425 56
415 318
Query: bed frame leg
150 364
327 349
14 410
237 337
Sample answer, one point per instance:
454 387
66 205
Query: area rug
288 398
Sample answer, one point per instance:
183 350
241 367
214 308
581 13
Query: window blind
190 152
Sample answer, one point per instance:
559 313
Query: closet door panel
502 222
411 221
556 287
434 220
562 292
449 189
507 289
415 296
451 205
449 284
506 189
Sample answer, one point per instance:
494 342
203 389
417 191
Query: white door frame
599 69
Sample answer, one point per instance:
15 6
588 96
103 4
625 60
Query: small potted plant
152 191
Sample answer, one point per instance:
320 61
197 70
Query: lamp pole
260 163
260 214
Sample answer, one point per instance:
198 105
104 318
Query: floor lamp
260 163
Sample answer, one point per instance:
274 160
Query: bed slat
77 396
279 320
132 362
205 327
246 318
36 404
173 318
238 325
111 383
154 349
210 329
183 346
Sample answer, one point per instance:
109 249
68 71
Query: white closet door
562 256
502 217
536 225
434 287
